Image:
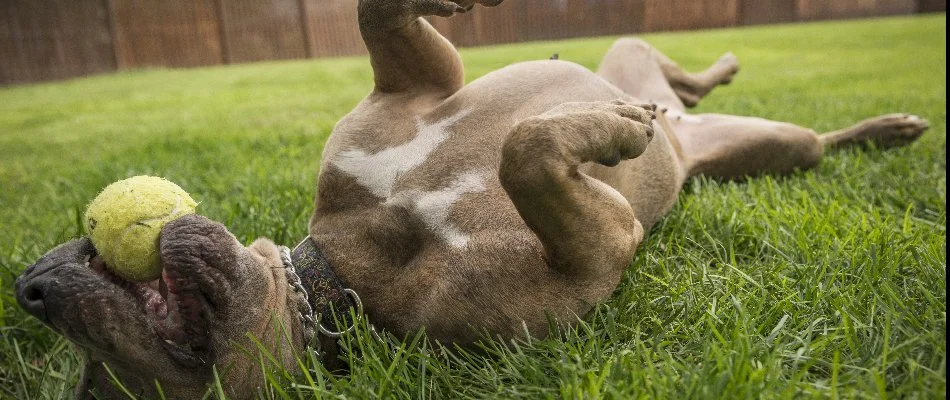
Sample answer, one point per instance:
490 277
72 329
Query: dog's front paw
608 132
642 113
469 4
634 130
490 3
393 14
446 8
442 8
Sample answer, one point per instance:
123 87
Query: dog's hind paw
892 130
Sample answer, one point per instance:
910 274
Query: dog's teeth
169 342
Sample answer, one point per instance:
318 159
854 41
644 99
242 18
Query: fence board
528 20
12 48
259 30
622 17
53 39
823 9
334 30
665 15
542 21
173 33
766 11
496 24
928 6
895 7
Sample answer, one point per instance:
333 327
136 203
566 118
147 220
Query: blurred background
44 40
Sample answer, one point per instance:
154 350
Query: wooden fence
56 39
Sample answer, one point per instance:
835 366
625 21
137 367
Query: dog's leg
587 228
885 131
636 68
726 146
406 53
731 147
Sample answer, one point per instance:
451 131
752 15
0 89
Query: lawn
826 283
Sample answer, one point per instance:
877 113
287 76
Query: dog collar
327 301
325 291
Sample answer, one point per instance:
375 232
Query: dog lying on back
460 209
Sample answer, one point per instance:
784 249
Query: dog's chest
431 177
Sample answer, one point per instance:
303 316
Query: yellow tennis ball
125 219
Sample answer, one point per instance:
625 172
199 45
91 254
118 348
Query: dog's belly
407 280
411 212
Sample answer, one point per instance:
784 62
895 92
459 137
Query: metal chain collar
307 318
303 310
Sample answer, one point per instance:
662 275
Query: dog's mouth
173 307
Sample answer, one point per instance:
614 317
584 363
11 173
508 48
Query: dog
488 207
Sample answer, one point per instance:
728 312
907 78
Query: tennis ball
125 219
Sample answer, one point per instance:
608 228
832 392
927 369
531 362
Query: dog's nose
33 286
30 294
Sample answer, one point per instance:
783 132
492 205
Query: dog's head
214 296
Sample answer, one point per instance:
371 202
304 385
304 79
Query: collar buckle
359 316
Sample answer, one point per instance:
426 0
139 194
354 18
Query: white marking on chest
433 207
378 172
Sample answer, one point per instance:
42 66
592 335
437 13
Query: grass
827 283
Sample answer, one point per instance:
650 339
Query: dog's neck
322 300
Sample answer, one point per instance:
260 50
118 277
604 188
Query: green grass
827 283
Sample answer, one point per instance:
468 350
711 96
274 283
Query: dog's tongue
178 317
174 305
153 299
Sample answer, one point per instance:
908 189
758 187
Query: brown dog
460 209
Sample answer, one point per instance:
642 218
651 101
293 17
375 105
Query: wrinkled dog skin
485 207
172 333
